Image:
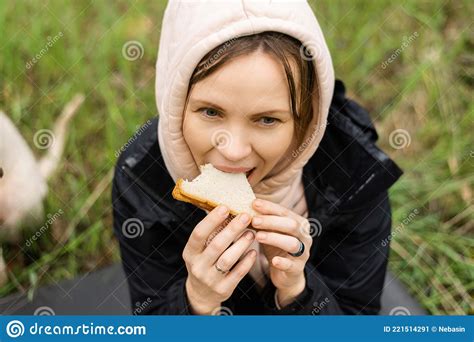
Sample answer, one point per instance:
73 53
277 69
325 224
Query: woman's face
239 117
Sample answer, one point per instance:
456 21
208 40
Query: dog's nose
1 172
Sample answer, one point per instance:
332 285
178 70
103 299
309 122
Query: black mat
105 292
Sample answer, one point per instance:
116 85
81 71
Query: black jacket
346 184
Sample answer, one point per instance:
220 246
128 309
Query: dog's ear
49 162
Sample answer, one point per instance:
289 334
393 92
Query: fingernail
261 235
257 203
222 210
244 218
249 236
257 221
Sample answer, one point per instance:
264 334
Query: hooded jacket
209 24
345 181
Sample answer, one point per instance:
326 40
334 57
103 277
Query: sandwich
214 187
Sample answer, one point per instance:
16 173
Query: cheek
196 135
272 146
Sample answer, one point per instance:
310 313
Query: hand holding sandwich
208 285
215 269
280 233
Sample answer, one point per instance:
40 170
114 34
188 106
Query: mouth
232 169
235 170
248 173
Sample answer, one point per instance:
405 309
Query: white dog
23 179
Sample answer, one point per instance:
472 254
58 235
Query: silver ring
219 269
300 251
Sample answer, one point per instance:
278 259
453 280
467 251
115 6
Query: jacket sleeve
347 275
156 275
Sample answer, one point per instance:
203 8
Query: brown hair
284 48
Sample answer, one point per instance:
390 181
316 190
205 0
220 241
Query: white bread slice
214 187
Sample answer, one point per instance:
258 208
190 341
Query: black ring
300 251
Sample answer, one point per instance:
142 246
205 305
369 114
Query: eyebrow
210 104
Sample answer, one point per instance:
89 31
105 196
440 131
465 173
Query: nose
233 146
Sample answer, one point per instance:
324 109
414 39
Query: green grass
427 91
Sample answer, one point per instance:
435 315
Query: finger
218 229
285 264
282 224
243 267
223 240
271 208
204 228
232 254
287 243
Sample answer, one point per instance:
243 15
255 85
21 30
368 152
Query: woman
250 86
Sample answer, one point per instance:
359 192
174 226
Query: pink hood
190 29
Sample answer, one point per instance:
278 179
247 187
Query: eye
269 121
209 112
